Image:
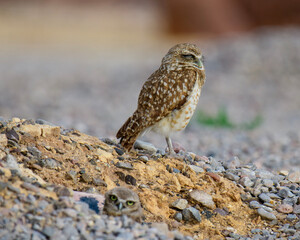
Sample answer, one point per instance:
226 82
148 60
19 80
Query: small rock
99 182
175 170
11 162
144 159
285 208
255 204
264 174
264 197
72 174
179 204
196 169
130 180
34 152
124 165
265 214
63 191
297 209
50 163
268 183
246 182
30 187
232 164
119 151
284 192
191 215
145 146
294 177
86 178
291 217
232 176
202 197
284 172
221 211
214 176
178 216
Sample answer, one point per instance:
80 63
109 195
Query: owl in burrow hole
168 98
123 201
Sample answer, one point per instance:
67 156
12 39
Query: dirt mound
72 159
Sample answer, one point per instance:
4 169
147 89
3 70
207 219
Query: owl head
184 54
122 201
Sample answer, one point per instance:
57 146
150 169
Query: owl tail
130 131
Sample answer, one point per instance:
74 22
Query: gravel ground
41 165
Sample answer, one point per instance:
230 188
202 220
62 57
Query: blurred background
81 63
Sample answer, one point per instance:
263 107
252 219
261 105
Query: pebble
265 214
246 182
11 162
203 198
268 183
191 214
255 204
144 159
179 204
119 151
148 147
30 187
264 197
50 163
285 208
232 176
124 165
297 209
178 216
294 177
196 169
284 192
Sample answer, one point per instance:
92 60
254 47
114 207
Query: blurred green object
222 120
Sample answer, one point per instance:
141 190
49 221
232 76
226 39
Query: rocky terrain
52 182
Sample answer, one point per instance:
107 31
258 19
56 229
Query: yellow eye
130 203
113 198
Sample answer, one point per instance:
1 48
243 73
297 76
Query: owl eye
130 203
188 56
113 198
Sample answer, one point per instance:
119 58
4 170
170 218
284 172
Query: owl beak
120 206
199 63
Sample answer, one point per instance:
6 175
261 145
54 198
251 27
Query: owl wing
163 93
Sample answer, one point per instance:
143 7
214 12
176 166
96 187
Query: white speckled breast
178 119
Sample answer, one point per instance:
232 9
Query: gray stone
11 162
191 215
34 152
180 204
284 192
264 197
233 163
203 198
196 169
144 159
264 174
178 216
294 177
246 182
44 122
232 176
291 217
267 182
141 145
255 204
265 214
50 163
124 165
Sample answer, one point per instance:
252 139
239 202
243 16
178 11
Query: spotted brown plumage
168 98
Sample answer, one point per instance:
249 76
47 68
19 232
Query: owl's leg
170 147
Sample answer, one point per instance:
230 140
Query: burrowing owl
123 201
169 97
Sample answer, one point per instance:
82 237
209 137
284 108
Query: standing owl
123 201
168 98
